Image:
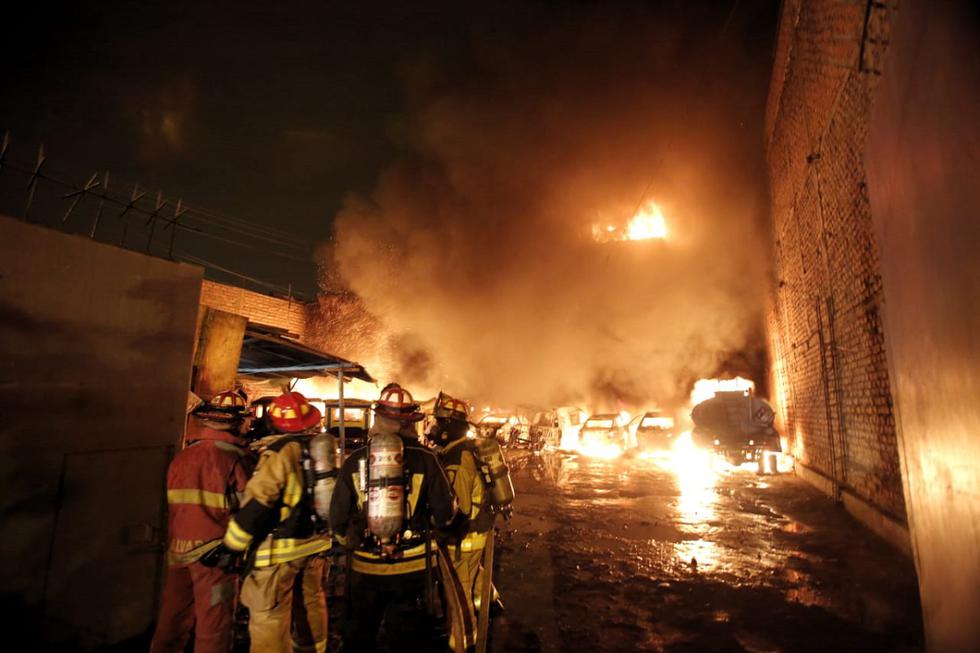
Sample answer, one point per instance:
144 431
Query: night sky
271 114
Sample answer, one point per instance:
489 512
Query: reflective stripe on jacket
430 505
204 484
277 509
462 467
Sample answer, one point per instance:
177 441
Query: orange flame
705 389
648 223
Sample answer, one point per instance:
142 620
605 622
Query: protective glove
224 558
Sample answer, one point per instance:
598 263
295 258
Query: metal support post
340 409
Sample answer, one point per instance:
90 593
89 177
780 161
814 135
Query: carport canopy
267 353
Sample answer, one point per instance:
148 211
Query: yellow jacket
462 468
277 509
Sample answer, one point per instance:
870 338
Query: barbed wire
157 216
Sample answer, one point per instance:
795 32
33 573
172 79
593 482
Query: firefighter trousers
397 601
199 599
468 567
287 606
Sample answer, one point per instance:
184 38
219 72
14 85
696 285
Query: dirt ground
631 555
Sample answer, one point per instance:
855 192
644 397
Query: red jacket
205 483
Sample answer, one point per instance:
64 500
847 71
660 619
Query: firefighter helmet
450 408
290 412
397 403
225 407
230 400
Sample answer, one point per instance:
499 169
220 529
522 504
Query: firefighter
278 536
204 484
390 495
464 542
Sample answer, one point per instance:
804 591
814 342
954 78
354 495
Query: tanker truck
735 425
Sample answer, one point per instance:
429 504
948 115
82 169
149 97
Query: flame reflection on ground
696 473
602 450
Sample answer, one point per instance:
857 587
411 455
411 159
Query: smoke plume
475 251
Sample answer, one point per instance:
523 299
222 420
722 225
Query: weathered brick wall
825 327
289 314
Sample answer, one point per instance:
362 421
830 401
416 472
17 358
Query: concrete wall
922 158
95 359
831 382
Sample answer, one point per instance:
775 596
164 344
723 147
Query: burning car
555 429
736 425
510 430
652 431
604 436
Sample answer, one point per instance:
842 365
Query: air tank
323 454
386 486
496 472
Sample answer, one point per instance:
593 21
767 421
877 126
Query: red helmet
451 408
290 412
227 406
396 403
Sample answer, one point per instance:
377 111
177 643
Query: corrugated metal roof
267 353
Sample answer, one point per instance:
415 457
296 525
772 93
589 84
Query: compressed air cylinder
323 452
501 487
386 486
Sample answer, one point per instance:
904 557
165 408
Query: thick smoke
475 251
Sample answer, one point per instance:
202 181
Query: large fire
705 389
648 223
598 444
326 388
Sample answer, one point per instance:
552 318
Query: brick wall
288 314
825 326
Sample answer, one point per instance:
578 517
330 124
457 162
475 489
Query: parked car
652 431
604 435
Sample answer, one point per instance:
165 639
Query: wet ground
630 555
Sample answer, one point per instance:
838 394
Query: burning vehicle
652 431
357 420
555 429
604 436
735 425
508 430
